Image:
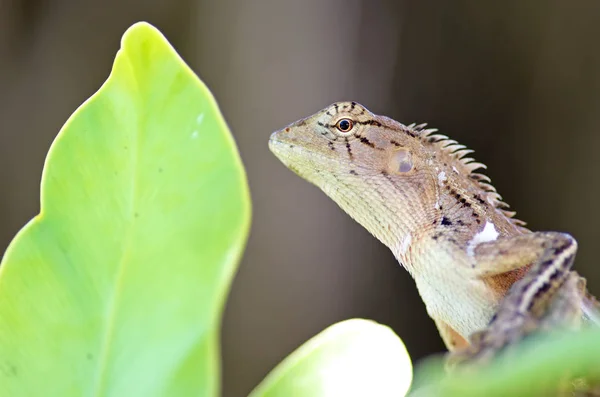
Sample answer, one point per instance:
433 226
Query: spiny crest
458 152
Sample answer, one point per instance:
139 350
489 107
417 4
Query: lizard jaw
281 151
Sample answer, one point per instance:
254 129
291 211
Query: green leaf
536 367
351 358
117 287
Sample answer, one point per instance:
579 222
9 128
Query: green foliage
352 358
116 288
536 367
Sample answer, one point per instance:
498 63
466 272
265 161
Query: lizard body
418 193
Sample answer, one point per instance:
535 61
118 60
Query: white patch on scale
489 233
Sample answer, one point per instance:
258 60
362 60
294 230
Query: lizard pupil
344 125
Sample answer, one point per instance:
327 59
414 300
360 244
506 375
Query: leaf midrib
109 330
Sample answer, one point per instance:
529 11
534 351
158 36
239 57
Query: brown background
517 81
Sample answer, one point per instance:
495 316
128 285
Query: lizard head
372 166
346 139
386 175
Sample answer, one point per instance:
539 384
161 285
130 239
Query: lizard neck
396 217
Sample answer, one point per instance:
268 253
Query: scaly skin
416 192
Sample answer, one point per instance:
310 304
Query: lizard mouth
280 149
278 139
274 143
288 153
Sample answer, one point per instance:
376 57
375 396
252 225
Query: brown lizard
485 279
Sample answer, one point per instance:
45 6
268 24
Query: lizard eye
344 125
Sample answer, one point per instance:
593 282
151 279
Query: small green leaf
117 287
351 358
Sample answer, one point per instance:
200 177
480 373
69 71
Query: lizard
486 280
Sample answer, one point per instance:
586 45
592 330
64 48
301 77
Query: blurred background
517 81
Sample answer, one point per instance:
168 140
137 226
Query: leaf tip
139 29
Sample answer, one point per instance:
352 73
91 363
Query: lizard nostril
287 129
